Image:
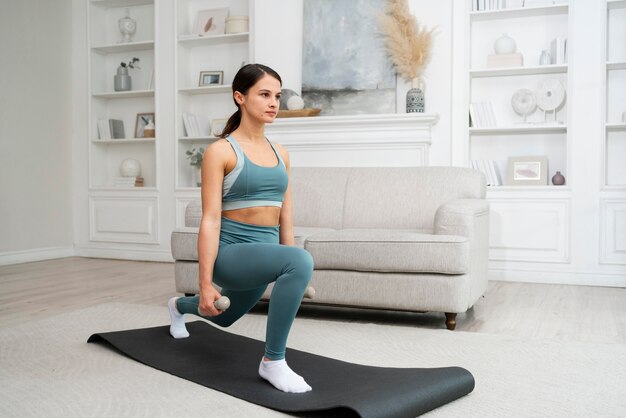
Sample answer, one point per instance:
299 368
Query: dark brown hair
246 77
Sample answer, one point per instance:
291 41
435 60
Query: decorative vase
544 58
122 81
505 45
196 176
415 97
127 27
558 179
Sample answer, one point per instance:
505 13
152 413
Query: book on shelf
482 115
129 181
490 169
558 51
479 5
110 129
191 125
505 60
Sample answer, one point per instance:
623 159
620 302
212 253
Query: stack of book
490 169
191 125
111 129
505 60
481 115
129 181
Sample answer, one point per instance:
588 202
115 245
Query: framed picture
527 171
141 121
211 21
217 126
211 78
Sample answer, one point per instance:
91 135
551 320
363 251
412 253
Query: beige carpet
48 369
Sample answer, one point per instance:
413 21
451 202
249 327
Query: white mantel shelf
356 140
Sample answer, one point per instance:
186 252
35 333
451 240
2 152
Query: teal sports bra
249 185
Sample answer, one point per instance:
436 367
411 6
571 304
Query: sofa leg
450 321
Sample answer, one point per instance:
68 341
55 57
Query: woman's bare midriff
259 215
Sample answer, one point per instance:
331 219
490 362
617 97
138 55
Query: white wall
35 130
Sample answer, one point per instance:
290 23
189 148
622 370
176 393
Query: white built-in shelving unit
106 52
223 52
496 85
614 146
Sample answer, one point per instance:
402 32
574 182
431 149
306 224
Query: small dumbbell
222 303
309 293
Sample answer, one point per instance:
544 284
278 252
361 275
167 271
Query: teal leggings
249 258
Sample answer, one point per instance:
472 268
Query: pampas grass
408 44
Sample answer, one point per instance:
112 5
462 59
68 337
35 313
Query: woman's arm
213 165
286 220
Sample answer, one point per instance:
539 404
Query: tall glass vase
415 96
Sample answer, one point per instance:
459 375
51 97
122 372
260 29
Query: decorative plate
524 102
550 94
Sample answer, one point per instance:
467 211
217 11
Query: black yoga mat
229 363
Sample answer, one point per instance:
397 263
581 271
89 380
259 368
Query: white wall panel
526 230
124 219
613 232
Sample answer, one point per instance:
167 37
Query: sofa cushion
389 250
301 233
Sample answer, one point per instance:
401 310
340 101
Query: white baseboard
567 277
36 254
125 254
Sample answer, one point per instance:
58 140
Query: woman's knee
302 259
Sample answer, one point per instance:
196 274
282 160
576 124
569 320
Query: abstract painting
345 69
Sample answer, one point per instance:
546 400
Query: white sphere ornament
130 168
295 103
505 45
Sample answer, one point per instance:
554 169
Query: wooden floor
572 313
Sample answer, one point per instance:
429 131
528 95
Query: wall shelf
197 138
120 3
620 126
615 4
522 129
123 141
124 47
124 94
555 9
513 71
206 90
616 65
196 40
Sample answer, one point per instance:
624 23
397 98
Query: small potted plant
122 81
195 160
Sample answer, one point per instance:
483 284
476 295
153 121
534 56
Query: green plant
195 156
131 64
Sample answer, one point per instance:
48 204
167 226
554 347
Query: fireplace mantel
359 140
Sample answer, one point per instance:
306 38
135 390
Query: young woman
246 232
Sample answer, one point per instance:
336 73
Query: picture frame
211 78
217 126
141 121
211 21
527 171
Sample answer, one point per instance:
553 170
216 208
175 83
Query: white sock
177 328
282 377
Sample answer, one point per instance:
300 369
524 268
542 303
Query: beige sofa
407 238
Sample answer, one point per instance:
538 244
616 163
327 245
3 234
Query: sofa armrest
458 217
184 243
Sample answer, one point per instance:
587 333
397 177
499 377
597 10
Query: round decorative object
286 94
550 94
295 103
127 27
130 168
505 45
558 179
524 102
